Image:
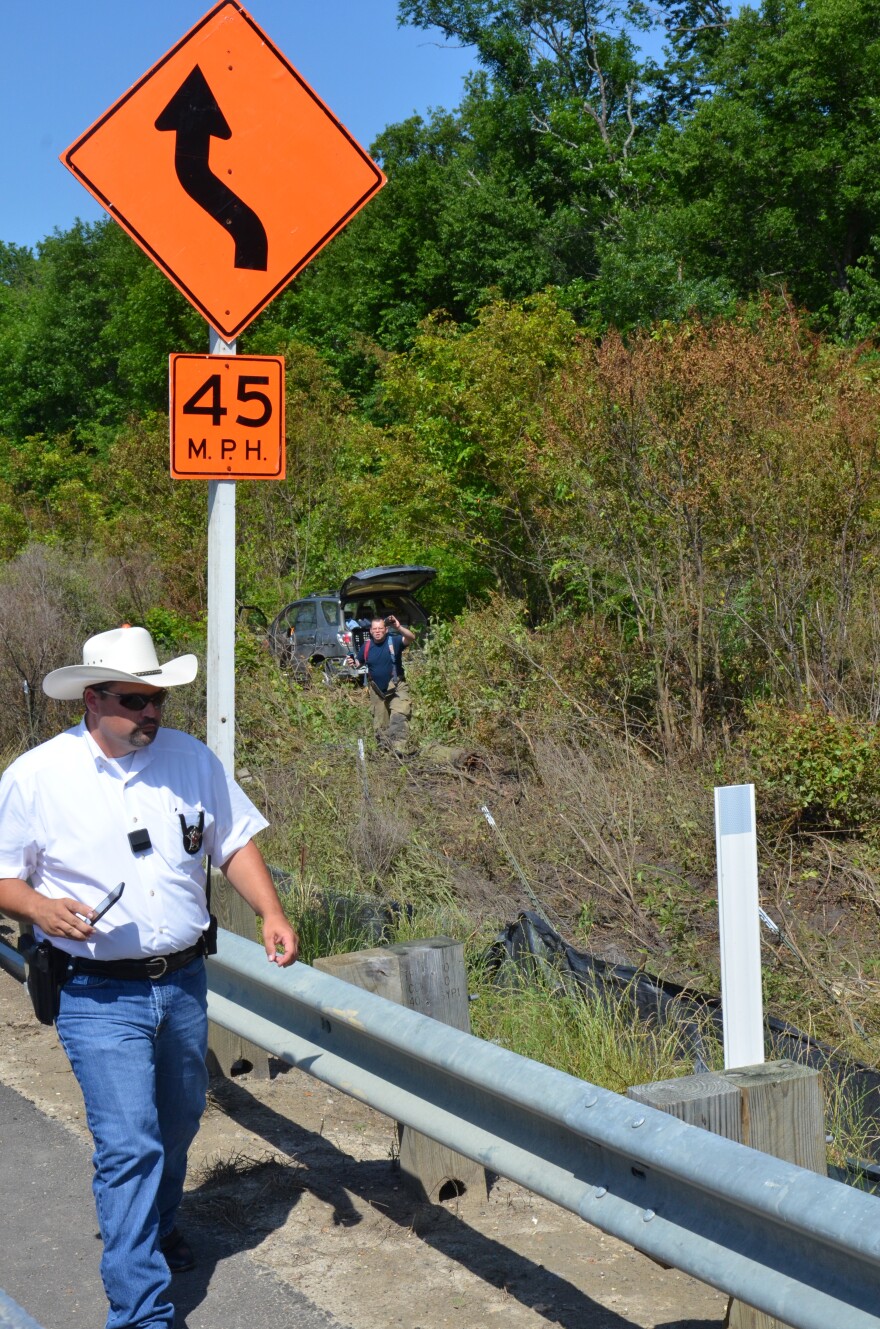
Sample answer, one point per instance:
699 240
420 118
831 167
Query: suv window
331 612
306 618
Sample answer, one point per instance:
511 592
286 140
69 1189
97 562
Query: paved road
49 1247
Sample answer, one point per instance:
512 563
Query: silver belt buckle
159 960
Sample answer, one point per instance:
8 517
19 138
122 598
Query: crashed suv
324 629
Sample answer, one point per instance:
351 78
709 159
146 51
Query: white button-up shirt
66 811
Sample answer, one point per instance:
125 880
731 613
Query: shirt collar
141 758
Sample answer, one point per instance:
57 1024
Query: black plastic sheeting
534 946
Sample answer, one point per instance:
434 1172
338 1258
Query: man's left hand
280 941
246 871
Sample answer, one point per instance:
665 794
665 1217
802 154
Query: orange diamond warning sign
227 417
226 168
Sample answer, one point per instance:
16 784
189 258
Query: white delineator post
736 843
221 604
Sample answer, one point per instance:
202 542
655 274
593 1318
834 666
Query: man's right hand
57 918
62 918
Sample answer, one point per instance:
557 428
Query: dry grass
376 838
50 603
230 1190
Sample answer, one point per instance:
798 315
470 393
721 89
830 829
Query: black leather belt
152 967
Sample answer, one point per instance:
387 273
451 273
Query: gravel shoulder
302 1180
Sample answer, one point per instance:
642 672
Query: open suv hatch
325 628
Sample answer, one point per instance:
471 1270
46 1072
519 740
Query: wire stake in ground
513 860
362 768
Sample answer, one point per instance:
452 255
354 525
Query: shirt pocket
184 835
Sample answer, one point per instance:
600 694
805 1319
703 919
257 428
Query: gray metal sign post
221 603
225 1050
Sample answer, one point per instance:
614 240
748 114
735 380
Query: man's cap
122 655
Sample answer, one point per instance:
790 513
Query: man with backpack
382 653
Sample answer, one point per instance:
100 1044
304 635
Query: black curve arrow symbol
195 117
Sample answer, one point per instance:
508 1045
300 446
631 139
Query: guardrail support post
427 976
783 1111
776 1107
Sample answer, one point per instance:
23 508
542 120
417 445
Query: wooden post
783 1112
377 970
229 1054
776 1107
706 1100
426 976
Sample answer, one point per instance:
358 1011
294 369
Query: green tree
467 406
86 326
507 195
776 168
457 222
554 50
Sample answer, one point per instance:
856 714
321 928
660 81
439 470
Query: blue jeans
138 1051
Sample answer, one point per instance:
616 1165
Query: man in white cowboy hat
115 799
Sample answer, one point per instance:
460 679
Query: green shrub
816 767
486 674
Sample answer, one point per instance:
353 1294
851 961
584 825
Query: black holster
47 971
210 936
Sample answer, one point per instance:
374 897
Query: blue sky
62 64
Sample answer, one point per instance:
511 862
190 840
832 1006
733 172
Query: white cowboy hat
123 655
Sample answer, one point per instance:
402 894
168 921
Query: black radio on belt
140 841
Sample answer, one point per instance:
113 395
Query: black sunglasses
135 701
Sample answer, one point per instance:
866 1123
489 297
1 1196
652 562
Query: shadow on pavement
221 1217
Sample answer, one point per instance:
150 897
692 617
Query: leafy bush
484 672
819 767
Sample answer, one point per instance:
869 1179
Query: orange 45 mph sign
226 168
227 417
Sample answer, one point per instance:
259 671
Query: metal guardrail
11 1314
793 1244
796 1245
11 961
